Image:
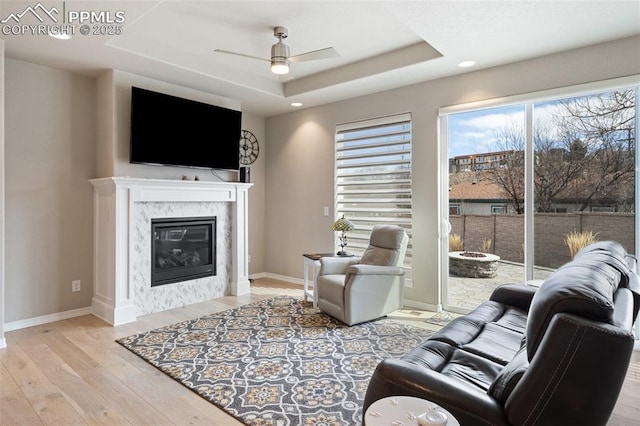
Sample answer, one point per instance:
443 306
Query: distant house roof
479 191
485 191
483 154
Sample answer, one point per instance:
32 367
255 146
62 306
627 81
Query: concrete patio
467 293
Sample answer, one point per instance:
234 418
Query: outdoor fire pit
473 264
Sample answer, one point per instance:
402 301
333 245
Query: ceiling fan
280 59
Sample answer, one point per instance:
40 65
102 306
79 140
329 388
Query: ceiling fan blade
241 54
326 53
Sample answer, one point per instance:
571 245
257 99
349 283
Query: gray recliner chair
355 290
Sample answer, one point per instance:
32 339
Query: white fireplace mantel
115 200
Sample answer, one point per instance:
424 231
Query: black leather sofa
556 355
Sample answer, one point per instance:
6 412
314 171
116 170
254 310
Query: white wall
114 107
50 124
256 125
122 83
2 234
300 158
63 129
51 151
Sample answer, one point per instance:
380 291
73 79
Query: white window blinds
373 177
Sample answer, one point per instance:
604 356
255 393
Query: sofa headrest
612 247
609 252
584 287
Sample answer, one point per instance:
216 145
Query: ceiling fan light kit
280 52
280 56
280 67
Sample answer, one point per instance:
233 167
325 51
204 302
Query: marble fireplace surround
123 208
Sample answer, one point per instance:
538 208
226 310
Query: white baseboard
258 276
285 278
30 322
407 302
45 319
422 306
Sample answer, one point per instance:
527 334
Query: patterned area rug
277 362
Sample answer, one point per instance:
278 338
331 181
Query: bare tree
553 169
509 172
604 126
558 162
587 154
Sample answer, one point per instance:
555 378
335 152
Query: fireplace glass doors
182 249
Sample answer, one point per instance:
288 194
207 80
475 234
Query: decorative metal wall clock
249 148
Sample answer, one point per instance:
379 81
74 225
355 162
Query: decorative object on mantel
343 225
278 361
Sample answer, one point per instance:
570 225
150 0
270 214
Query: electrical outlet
249 259
325 211
76 285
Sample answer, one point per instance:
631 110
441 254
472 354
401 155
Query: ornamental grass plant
456 242
578 240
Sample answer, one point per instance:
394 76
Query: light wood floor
73 372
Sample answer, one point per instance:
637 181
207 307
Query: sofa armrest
371 292
632 263
336 265
397 377
361 269
576 374
516 295
634 286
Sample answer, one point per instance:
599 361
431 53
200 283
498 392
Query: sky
475 132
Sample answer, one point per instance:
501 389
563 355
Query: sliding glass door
583 175
485 203
528 184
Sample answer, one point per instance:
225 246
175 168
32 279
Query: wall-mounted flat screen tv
172 131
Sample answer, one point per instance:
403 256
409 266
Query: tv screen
167 130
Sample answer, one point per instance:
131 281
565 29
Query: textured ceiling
382 44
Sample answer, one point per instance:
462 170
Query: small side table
402 410
312 260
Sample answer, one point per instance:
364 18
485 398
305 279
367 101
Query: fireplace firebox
182 249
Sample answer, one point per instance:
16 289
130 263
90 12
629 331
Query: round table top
403 410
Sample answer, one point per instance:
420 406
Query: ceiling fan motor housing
280 53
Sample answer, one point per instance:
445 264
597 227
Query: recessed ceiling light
296 104
466 64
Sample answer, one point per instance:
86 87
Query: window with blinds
373 177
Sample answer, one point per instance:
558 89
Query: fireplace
182 249
123 210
